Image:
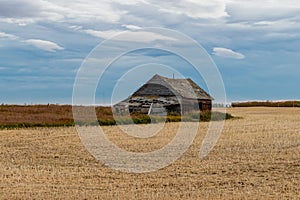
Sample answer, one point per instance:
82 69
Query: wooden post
149 111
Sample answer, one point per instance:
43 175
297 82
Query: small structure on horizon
161 96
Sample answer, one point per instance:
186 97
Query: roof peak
163 77
185 87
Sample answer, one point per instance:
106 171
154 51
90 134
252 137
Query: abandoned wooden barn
161 95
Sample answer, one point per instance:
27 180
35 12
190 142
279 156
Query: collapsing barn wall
162 105
161 95
151 105
205 105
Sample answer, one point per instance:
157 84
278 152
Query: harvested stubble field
256 157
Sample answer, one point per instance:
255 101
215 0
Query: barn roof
185 88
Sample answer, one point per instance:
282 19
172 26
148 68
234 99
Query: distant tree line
221 105
266 104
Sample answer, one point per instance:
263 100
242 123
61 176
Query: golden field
256 157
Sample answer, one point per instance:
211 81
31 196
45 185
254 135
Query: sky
43 43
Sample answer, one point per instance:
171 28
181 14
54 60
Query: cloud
204 9
128 2
90 11
44 45
102 34
131 27
129 36
75 27
8 36
281 36
19 8
24 12
255 10
41 44
227 53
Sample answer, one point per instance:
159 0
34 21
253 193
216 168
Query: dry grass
257 157
32 116
14 116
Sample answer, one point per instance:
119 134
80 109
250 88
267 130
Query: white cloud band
44 45
227 53
8 36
